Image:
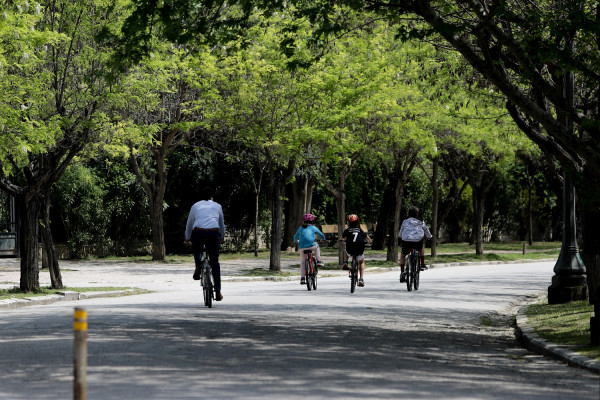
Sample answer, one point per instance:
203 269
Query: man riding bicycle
411 235
206 228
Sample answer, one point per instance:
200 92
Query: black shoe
218 296
197 273
345 267
303 281
361 283
424 267
403 277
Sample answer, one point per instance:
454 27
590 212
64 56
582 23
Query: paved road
276 340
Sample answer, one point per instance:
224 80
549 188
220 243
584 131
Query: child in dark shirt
355 239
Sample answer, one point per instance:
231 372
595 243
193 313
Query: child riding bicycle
411 235
355 239
305 236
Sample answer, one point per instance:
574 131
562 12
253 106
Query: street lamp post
569 282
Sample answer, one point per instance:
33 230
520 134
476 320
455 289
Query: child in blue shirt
305 236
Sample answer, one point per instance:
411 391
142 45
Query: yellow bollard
80 354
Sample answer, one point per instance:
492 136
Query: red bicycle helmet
352 218
308 218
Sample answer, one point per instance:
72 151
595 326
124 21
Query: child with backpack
411 235
355 239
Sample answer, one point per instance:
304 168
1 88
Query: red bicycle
310 269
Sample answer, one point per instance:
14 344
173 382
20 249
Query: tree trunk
278 191
530 214
309 184
434 206
154 184
384 218
340 204
448 204
30 212
159 251
406 165
478 210
49 251
257 190
392 252
256 209
298 204
480 184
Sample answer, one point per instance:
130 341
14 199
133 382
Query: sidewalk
161 277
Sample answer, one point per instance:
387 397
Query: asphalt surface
276 340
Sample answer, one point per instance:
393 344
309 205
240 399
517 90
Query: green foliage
124 201
418 193
99 208
80 201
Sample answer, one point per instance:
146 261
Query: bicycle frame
310 271
309 264
206 279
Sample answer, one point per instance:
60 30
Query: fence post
80 354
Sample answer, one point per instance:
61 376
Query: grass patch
564 324
490 256
16 293
498 246
268 272
447 252
380 263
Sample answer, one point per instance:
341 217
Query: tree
260 99
54 91
165 100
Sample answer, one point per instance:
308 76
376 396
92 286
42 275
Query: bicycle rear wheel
207 285
308 274
409 273
353 275
314 281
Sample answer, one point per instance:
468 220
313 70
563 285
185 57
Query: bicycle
310 270
413 270
207 280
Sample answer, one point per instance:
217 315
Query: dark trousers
212 242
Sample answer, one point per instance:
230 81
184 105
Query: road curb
63 296
535 343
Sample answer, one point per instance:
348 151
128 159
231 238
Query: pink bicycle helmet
308 218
